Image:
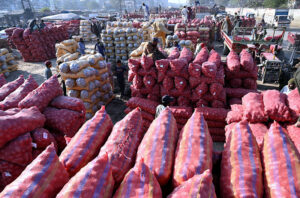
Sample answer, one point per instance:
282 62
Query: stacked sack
85 31
66 47
38 45
147 30
7 62
172 39
88 79
241 75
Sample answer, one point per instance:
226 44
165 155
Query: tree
274 3
45 9
92 5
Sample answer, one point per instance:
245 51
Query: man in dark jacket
297 82
119 72
99 47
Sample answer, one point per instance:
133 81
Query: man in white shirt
184 13
165 100
289 87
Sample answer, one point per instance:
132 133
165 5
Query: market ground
116 108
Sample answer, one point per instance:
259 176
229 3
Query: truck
280 18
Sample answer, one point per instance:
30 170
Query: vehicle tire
226 50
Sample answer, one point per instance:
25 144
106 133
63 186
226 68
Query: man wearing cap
152 50
165 100
48 72
297 82
289 87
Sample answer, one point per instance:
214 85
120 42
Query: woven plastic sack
42 138
216 89
149 81
215 58
134 65
12 126
259 130
236 114
71 103
152 72
158 146
160 77
2 80
209 69
145 115
137 82
181 112
197 186
250 83
44 177
201 102
162 65
242 74
194 150
8 173
194 70
42 96
186 54
294 132
236 82
18 151
87 142
217 104
174 54
281 161
177 65
216 114
275 105
139 182
202 56
147 62
241 152
8 88
13 99
10 111
238 92
121 145
233 62
64 120
180 83
294 103
93 180
201 89
168 83
146 105
253 106
247 62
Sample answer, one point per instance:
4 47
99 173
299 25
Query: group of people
187 14
34 25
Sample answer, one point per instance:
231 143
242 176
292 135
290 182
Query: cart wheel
225 50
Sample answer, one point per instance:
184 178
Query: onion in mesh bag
97 83
188 43
129 38
98 94
91 86
117 39
135 37
73 93
74 67
87 105
122 38
100 104
118 51
104 38
81 82
94 98
106 97
108 38
135 45
84 94
4 67
70 82
102 64
64 67
87 72
2 59
123 44
130 45
110 51
124 57
95 108
88 116
175 37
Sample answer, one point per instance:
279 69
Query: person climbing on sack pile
152 50
160 31
119 71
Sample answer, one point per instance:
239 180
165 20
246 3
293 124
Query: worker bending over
152 50
160 31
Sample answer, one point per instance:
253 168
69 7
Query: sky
177 1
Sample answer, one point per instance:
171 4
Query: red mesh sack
134 65
162 65
233 62
242 74
64 120
146 105
202 56
60 140
2 80
180 83
236 83
168 83
294 132
209 69
238 92
139 181
12 111
42 138
177 65
12 126
253 106
194 82
41 96
236 114
8 88
18 151
259 130
275 105
217 114
233 101
186 54
121 145
174 54
294 103
44 177
182 112
145 115
250 83
13 99
216 89
137 82
194 150
194 70
201 89
143 72
220 132
149 81
247 62
183 101
217 104
8 173
93 180
215 58
202 103
87 142
241 152
197 186
281 160
147 62
171 73
153 97
158 146
70 103
131 75
160 77
216 124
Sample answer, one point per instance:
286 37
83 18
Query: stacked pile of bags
9 32
87 78
241 75
72 26
123 160
85 31
65 49
38 45
31 118
7 62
